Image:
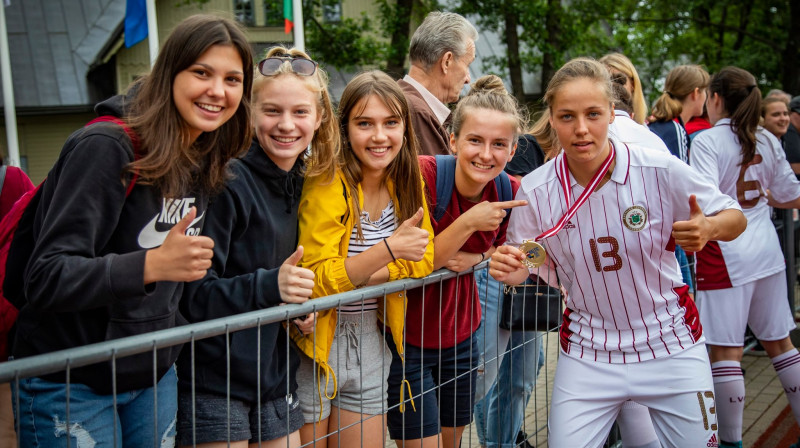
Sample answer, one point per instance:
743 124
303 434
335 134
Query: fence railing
66 360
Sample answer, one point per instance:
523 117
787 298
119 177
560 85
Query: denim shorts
279 418
447 376
360 360
93 418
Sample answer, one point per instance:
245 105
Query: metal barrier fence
535 421
68 360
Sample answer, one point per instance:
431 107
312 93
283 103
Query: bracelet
483 257
389 249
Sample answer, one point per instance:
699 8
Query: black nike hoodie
84 281
253 223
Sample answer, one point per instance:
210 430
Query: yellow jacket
326 222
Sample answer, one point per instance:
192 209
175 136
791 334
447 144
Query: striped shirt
626 301
374 232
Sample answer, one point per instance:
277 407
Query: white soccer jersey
626 301
628 131
756 253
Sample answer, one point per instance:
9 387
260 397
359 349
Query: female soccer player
608 216
117 235
743 282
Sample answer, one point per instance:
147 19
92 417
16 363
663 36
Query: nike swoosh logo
150 237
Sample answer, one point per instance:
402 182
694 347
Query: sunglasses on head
301 66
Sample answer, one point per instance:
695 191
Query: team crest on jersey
635 218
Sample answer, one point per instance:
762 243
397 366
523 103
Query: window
243 12
259 12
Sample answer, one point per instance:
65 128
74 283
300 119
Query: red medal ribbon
562 171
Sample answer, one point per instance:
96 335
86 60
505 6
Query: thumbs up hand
180 258
409 241
295 283
692 235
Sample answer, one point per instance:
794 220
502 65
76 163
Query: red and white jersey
625 300
755 254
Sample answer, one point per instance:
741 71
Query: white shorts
762 304
588 395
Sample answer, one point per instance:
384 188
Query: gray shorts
211 417
360 360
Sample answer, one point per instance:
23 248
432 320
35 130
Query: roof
54 44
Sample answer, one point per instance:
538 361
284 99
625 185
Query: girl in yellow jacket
367 225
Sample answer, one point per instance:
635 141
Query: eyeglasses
301 66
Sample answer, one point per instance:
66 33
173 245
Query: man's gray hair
439 33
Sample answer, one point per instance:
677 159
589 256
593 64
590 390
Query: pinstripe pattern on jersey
374 232
637 310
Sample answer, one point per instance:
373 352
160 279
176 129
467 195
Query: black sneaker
522 441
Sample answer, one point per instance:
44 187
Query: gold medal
535 255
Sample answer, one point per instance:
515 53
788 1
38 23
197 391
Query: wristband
389 249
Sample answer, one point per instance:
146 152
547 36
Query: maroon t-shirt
452 311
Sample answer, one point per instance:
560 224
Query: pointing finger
512 204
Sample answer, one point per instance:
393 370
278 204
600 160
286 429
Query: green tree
761 36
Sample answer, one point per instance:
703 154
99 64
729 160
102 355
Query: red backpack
12 297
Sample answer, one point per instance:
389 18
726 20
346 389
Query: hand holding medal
535 254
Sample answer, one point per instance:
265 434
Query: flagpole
297 18
10 110
152 31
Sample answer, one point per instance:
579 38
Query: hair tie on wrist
483 257
389 249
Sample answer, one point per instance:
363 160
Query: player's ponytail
680 83
742 101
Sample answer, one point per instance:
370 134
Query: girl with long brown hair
366 224
115 236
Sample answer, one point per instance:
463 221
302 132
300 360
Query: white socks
787 366
729 397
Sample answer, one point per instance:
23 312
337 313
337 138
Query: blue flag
135 22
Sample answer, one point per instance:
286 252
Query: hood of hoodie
117 105
287 184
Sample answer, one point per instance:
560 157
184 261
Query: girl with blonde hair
618 63
253 223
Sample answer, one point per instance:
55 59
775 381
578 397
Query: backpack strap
503 186
134 140
445 180
2 178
